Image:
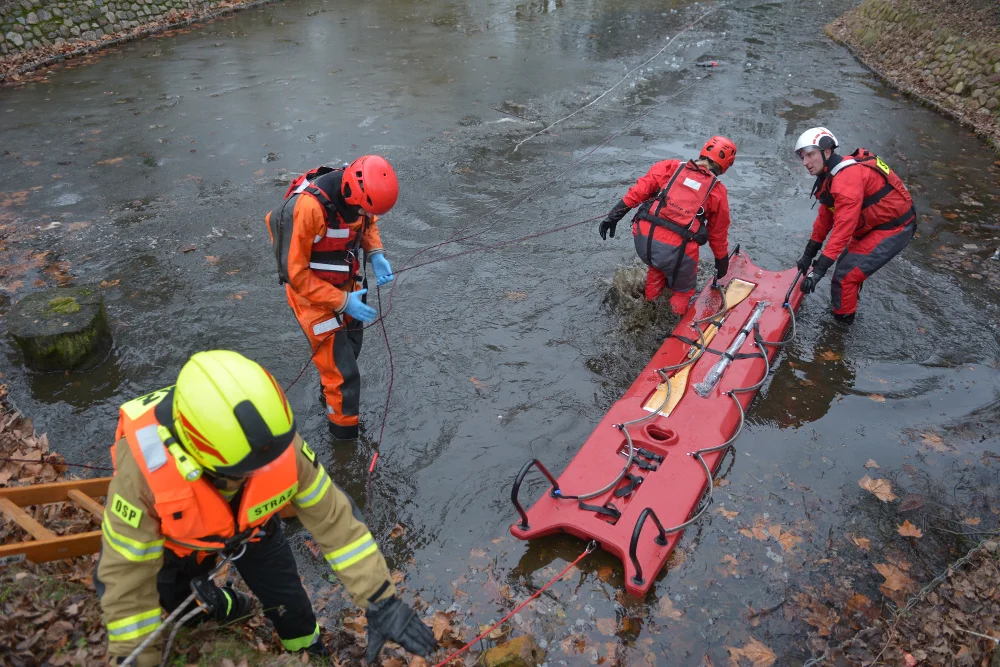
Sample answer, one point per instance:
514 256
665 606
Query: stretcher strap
607 509
721 353
633 483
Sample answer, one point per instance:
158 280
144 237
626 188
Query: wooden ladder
46 545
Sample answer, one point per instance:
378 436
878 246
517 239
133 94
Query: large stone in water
519 652
62 328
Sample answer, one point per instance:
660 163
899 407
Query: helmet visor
265 447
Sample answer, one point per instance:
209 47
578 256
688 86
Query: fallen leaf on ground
829 355
949 216
237 296
666 609
911 502
881 488
862 543
516 295
897 583
479 384
934 441
871 464
188 248
878 398
785 538
211 259
972 521
758 653
397 531
114 160
605 572
441 624
728 514
607 626
907 529
758 531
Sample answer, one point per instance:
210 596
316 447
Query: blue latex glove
358 309
382 269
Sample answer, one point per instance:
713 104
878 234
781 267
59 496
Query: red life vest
193 515
334 256
890 183
679 207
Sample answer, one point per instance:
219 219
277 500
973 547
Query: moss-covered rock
61 329
519 652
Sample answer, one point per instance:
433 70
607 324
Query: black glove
224 605
394 619
819 270
807 257
609 223
721 266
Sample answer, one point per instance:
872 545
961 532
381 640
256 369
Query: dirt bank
946 53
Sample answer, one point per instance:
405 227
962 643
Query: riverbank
35 34
943 53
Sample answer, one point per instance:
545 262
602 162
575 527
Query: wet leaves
880 488
666 609
871 464
211 259
478 384
878 398
786 539
397 531
907 529
862 543
758 531
933 441
828 355
113 161
607 626
972 521
110 283
188 248
515 295
237 296
897 584
754 653
727 513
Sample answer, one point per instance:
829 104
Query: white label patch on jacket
693 184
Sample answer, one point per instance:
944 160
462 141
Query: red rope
590 547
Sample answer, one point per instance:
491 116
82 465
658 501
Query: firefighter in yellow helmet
202 468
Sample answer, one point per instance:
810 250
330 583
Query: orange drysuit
317 290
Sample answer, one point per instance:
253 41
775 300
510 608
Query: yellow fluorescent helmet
230 414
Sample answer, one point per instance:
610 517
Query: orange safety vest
334 256
193 515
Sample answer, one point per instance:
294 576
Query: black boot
343 432
846 318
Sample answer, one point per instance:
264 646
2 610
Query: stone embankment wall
924 49
28 24
37 33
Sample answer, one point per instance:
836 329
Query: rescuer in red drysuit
866 212
681 206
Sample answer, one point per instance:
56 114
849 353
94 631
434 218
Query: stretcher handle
517 487
661 540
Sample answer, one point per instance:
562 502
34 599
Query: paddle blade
737 292
677 386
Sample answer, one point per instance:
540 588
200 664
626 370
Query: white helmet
816 137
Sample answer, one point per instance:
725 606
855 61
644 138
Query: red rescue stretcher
655 453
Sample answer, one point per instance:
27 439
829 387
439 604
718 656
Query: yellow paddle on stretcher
737 292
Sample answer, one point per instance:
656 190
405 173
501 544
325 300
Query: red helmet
720 151
370 182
